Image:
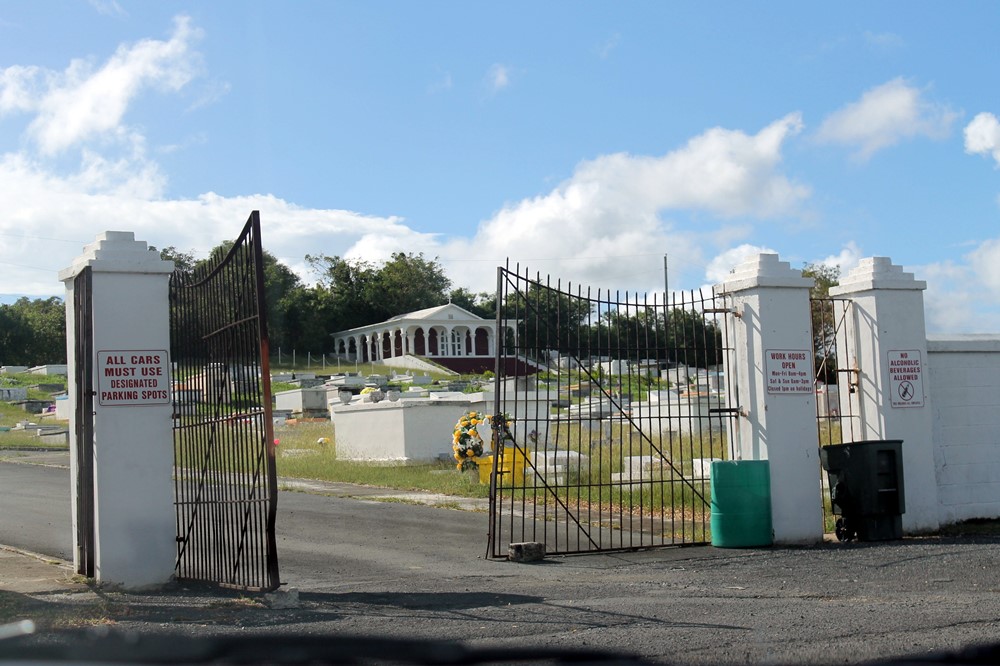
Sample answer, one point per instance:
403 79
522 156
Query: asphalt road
398 570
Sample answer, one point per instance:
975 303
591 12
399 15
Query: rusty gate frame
224 453
567 505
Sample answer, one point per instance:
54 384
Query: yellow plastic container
512 465
485 468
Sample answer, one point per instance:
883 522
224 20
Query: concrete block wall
964 377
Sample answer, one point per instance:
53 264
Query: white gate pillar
134 520
892 396
773 367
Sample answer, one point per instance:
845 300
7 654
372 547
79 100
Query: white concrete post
135 526
773 366
891 355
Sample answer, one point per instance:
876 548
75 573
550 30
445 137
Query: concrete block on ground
528 551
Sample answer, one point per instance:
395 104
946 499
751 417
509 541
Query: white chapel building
447 334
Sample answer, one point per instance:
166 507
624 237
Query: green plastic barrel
741 504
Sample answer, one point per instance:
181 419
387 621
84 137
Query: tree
280 285
687 337
346 286
548 319
483 304
824 325
183 261
362 293
408 282
33 331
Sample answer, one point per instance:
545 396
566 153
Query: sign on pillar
126 377
906 379
789 371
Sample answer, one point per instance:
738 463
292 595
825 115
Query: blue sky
584 140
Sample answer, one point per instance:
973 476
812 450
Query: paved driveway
377 568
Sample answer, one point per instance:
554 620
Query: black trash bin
866 488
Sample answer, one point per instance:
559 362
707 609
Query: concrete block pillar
773 368
135 525
890 351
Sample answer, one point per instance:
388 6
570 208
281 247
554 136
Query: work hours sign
130 377
788 371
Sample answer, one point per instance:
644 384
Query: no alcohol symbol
905 390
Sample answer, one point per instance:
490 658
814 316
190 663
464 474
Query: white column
773 367
892 397
135 525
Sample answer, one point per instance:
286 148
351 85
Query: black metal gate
83 324
836 371
837 377
609 410
224 468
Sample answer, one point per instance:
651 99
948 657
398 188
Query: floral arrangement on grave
372 394
466 441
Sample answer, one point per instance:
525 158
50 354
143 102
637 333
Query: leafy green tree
686 337
280 285
548 319
824 325
483 304
33 331
183 261
347 285
406 283
362 293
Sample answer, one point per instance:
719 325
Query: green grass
10 415
302 455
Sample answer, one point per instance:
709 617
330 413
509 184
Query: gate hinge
732 311
739 411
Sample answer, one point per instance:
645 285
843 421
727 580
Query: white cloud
846 259
79 104
498 77
606 225
982 136
18 88
985 263
610 208
884 40
610 45
720 267
962 295
105 197
108 7
441 85
884 116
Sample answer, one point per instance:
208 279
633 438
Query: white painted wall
964 376
403 431
299 400
888 319
772 300
133 451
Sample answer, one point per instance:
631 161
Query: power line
30 268
45 238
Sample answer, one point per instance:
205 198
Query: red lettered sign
133 377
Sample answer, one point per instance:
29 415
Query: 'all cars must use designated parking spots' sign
133 377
